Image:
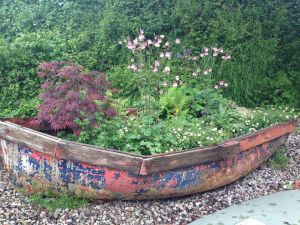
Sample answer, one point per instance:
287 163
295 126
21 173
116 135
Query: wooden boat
39 162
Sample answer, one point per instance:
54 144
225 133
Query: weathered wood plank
265 135
69 150
164 162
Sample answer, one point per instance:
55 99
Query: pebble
16 209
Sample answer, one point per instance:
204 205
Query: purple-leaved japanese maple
70 93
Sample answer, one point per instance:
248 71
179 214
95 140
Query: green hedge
262 35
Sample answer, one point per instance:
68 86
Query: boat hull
35 171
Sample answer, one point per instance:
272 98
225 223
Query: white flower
167 70
161 55
195 73
177 41
141 37
162 36
167 44
177 78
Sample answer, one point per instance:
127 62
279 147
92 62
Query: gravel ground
15 209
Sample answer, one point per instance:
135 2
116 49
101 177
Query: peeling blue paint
47 169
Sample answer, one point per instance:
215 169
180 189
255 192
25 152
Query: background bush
263 36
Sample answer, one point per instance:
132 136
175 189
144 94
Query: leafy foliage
263 37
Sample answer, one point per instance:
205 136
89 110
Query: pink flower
174 84
131 46
167 70
177 41
142 31
155 69
134 67
143 45
205 49
206 53
165 83
149 42
168 55
221 82
159 40
156 63
161 55
157 44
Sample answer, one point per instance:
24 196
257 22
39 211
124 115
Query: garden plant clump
168 98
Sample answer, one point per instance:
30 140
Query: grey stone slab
282 208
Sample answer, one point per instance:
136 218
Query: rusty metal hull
33 170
